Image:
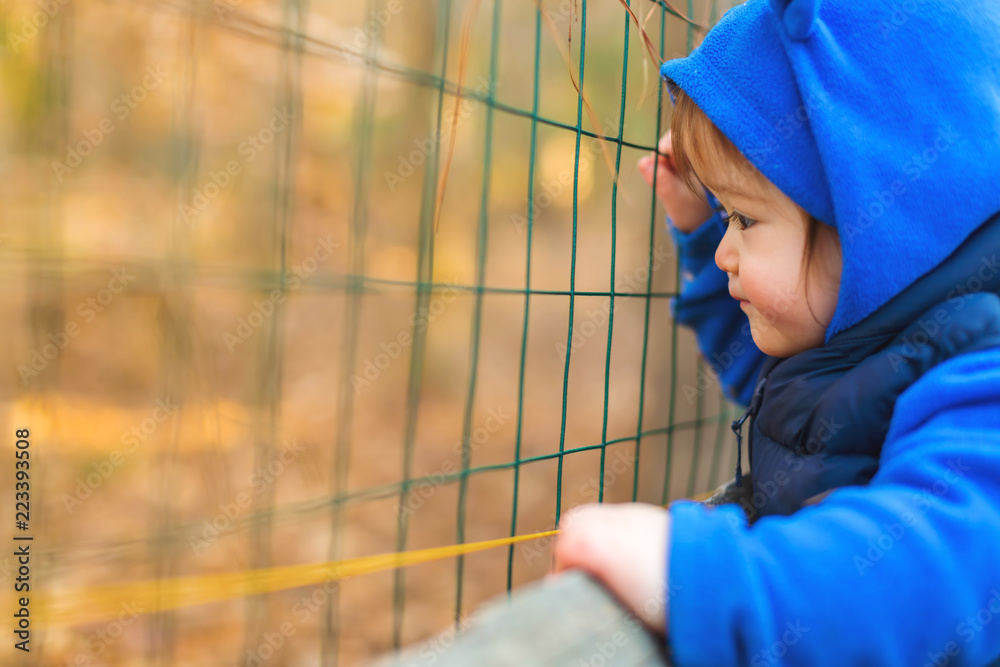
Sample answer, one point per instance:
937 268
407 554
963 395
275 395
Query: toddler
840 161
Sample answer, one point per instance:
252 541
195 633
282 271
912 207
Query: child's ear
798 16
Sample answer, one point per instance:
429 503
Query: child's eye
742 221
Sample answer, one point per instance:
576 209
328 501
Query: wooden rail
568 620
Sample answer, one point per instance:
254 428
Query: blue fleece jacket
881 119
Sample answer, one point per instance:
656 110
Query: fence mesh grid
299 282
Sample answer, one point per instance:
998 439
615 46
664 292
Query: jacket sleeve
705 306
900 573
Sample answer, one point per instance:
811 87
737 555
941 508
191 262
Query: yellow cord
100 603
94 604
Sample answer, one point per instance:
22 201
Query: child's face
789 301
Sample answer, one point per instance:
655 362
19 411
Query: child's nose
726 255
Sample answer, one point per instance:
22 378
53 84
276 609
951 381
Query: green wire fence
400 287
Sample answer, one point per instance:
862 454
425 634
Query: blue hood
881 119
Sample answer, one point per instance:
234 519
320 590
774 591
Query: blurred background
288 282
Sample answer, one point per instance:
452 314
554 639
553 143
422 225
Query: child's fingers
667 182
666 149
576 546
686 209
646 167
625 547
665 145
652 162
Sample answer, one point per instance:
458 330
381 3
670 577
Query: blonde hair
700 147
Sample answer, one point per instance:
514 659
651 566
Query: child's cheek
754 283
774 294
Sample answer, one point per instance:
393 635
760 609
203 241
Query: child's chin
773 344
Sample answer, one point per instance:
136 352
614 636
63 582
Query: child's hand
687 211
624 547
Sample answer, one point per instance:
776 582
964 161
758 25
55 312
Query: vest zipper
737 427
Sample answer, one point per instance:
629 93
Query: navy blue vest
818 419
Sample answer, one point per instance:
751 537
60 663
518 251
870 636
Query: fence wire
250 330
